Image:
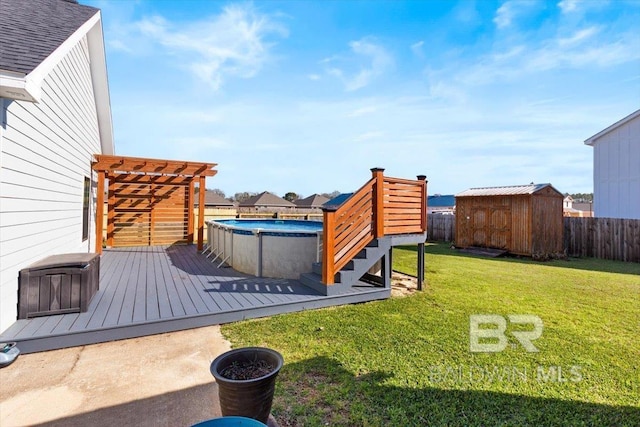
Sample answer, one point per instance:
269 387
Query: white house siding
46 152
617 172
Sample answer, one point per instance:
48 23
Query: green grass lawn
406 361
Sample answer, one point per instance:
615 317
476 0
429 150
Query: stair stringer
350 274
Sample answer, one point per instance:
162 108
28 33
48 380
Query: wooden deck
157 289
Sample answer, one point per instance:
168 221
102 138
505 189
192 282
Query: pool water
273 224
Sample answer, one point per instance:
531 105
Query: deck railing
383 206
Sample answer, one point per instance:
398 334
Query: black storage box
58 284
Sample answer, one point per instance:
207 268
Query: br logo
478 336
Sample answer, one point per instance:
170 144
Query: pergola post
191 205
201 193
99 212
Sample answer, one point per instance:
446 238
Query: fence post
328 245
378 202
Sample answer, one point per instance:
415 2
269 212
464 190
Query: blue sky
307 96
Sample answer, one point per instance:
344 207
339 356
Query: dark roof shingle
32 29
313 201
266 199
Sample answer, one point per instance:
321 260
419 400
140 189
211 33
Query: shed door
144 214
500 228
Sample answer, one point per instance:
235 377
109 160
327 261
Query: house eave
19 87
592 140
27 87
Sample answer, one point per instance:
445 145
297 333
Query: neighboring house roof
313 201
594 138
338 200
33 29
35 35
212 198
511 190
266 199
583 206
441 201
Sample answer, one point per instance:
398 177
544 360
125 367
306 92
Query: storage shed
521 219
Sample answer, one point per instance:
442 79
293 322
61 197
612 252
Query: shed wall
522 224
501 222
46 152
547 225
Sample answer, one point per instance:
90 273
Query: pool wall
263 253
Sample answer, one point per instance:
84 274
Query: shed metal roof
511 190
33 29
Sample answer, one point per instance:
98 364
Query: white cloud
416 48
578 37
568 6
363 111
233 43
314 77
511 10
371 60
367 136
580 49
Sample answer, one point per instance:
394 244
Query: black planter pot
247 398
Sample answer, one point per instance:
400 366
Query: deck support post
423 223
420 265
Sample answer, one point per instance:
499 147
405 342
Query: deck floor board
150 290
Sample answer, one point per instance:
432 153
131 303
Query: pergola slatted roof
116 164
147 171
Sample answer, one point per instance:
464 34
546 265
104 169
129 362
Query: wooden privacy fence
441 228
606 238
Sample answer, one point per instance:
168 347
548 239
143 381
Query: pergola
150 201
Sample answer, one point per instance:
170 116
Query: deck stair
360 232
354 272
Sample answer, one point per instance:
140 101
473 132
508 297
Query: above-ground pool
267 247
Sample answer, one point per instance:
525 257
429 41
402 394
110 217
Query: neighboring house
315 202
266 200
574 209
54 115
616 169
441 204
214 200
585 209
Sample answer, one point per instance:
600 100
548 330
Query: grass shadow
320 391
